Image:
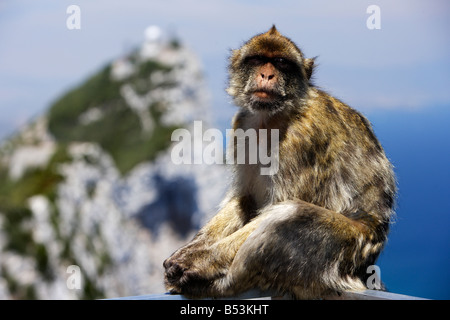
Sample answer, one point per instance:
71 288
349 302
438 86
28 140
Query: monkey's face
268 73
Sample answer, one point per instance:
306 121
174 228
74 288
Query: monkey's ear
234 58
231 91
309 67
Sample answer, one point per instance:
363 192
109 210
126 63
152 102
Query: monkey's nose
269 77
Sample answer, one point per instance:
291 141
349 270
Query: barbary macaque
312 228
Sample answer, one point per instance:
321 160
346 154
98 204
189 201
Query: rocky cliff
90 183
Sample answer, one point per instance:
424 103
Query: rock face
91 184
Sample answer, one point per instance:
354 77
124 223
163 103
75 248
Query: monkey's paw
192 273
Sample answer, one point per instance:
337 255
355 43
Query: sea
416 259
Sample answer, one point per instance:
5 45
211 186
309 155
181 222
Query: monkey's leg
203 266
227 221
301 249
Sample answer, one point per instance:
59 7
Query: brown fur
315 226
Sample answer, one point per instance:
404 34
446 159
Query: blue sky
405 64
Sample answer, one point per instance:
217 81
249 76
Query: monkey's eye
281 63
255 60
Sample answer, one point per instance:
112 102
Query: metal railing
259 295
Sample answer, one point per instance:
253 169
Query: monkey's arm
195 271
225 222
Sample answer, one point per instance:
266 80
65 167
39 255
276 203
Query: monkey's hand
192 269
197 268
207 257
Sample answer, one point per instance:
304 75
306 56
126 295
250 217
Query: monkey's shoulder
326 115
322 106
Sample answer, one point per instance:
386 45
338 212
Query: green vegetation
119 130
18 291
14 195
63 115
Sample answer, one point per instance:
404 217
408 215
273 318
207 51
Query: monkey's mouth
265 95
